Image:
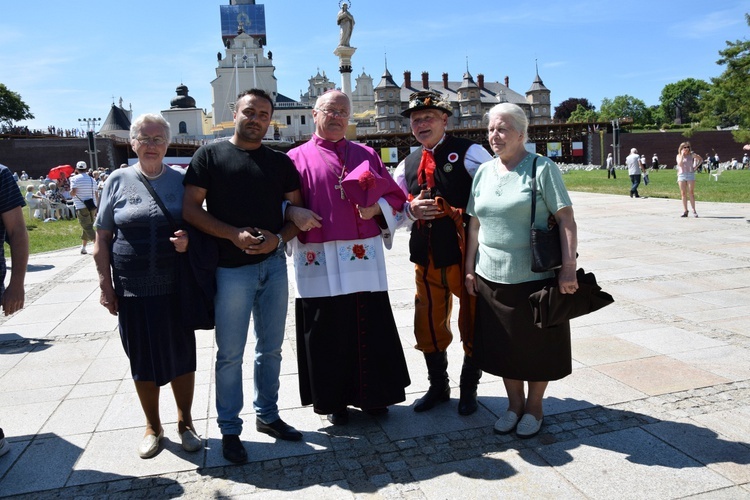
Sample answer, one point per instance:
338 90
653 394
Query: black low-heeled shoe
685 214
340 417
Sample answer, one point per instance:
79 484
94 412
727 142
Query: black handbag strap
533 191
156 198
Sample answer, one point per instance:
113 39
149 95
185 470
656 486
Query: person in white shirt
82 189
635 169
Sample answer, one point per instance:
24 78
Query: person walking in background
437 179
611 166
687 164
13 230
348 348
655 162
252 276
745 161
136 256
635 169
507 343
83 190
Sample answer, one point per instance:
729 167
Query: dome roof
183 100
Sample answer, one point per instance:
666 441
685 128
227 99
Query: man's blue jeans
636 181
262 289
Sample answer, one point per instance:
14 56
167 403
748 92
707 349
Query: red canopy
55 172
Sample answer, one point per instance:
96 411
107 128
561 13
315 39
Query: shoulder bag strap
156 198
533 191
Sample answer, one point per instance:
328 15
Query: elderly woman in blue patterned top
136 254
498 270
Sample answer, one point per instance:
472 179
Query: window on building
183 127
302 119
536 110
382 110
391 124
473 123
544 110
473 109
288 120
390 95
390 110
463 95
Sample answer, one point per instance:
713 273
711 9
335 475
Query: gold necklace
331 167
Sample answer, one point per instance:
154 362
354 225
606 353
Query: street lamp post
616 139
91 124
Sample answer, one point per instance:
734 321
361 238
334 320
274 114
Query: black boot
470 375
440 390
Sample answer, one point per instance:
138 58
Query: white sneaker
506 423
528 426
83 251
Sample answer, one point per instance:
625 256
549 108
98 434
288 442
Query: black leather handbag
546 252
196 270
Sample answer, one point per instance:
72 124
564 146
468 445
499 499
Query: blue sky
69 59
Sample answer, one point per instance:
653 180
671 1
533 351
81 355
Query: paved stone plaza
657 406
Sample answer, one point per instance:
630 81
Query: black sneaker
233 449
4 447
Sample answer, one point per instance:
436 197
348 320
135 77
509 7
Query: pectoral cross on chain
338 186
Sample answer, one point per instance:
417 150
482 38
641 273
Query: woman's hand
566 279
180 240
108 299
470 281
567 282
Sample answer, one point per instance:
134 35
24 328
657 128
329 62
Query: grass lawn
48 236
733 187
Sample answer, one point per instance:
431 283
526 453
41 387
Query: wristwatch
281 242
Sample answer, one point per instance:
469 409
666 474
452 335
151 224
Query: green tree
568 106
727 102
12 107
624 106
582 114
682 99
657 116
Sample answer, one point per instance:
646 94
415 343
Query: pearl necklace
151 177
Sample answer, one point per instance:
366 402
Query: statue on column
345 20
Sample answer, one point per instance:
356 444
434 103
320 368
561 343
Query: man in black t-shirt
245 186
